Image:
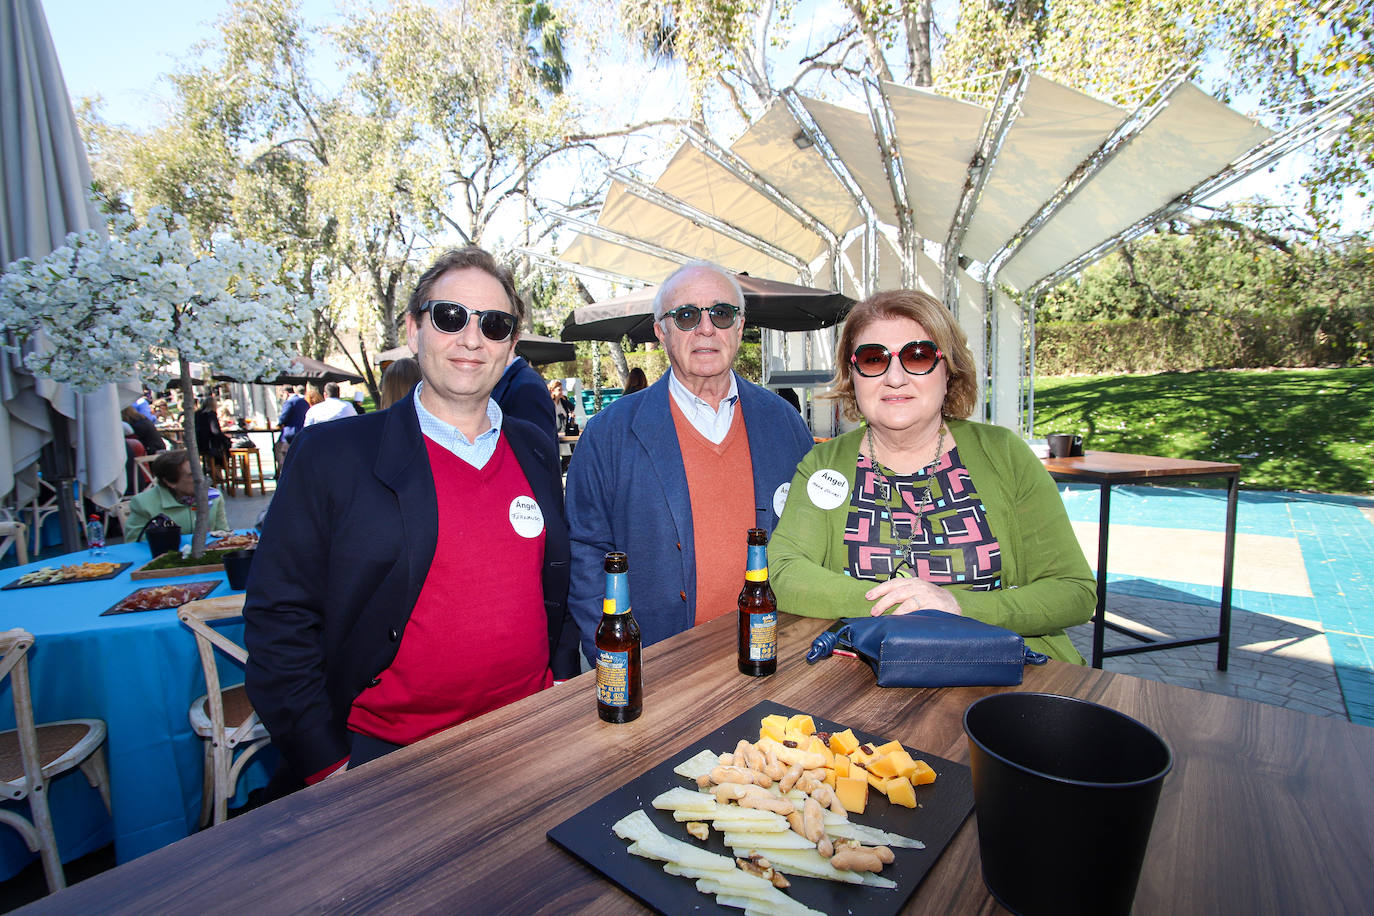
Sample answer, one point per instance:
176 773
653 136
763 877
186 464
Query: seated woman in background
173 495
919 507
397 381
637 380
210 439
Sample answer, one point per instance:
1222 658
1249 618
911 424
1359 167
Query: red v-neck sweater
478 636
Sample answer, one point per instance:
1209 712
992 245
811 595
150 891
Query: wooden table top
1117 466
1266 810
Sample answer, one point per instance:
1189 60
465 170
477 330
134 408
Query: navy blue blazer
345 549
521 392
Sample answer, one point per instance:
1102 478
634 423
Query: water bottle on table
95 535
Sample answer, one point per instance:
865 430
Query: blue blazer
345 549
627 490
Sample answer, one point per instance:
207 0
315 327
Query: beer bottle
758 612
619 688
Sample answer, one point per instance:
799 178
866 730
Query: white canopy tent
1042 181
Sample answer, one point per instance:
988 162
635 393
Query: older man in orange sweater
675 475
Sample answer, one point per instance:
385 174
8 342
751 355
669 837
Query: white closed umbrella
44 179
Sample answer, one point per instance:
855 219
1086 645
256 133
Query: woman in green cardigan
920 507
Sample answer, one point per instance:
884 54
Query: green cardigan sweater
1047 584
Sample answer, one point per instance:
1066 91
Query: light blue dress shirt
711 422
450 438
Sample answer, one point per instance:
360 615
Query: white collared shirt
711 422
450 438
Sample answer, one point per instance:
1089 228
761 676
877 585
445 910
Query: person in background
210 438
289 420
676 475
144 405
790 396
358 405
413 567
562 404
397 380
144 430
332 407
636 381
933 511
173 495
521 392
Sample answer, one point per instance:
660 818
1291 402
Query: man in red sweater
376 615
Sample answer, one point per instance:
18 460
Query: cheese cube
899 792
841 765
878 782
887 748
852 793
772 730
844 742
923 774
883 766
802 724
901 763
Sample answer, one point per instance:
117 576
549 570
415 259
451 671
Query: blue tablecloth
139 672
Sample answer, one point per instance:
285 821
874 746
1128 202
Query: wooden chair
16 533
217 469
144 478
46 502
31 755
223 718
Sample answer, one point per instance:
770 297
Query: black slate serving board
17 584
199 589
941 808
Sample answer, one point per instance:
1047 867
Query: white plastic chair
32 755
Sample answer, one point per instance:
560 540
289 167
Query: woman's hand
903 595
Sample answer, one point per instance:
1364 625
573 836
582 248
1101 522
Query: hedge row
1310 337
654 363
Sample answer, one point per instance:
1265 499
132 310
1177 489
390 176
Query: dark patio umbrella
305 371
768 304
538 349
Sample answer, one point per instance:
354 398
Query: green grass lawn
1292 429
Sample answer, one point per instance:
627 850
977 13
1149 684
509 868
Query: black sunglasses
451 317
918 358
687 317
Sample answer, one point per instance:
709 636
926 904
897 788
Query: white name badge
525 517
827 488
780 497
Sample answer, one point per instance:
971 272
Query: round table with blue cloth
137 671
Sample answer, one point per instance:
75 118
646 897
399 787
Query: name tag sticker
525 517
780 497
827 488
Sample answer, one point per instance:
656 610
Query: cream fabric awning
1054 131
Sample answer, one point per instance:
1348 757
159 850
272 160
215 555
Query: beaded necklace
889 486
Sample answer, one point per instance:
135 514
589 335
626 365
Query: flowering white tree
97 309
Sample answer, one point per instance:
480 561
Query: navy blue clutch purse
930 649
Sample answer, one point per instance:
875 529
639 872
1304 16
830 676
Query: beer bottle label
763 637
613 678
757 568
617 600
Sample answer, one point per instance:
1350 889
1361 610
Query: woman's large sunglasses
687 317
918 358
451 317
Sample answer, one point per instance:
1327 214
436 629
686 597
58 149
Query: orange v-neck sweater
720 482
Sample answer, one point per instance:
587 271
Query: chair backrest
197 615
14 664
145 471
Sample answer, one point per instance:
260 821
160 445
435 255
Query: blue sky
120 50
